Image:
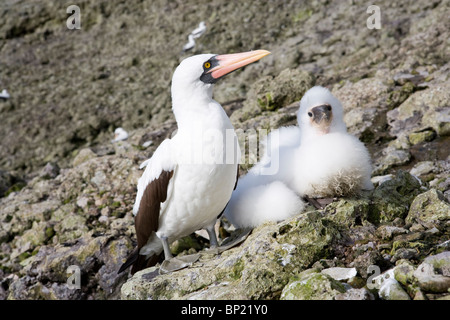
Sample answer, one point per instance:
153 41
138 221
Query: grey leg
167 253
170 263
212 235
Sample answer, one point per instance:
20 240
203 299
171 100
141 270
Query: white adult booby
199 31
181 189
316 159
330 161
119 135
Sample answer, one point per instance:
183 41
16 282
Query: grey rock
355 294
82 156
255 269
411 116
50 171
389 288
404 253
422 167
339 273
429 206
433 274
387 232
404 272
312 286
393 198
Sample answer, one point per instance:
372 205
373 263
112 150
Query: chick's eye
207 65
329 108
310 114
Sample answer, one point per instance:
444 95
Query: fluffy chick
329 161
261 195
319 158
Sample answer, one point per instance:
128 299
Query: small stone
404 253
419 137
389 288
312 286
83 202
99 179
105 211
417 227
103 219
355 294
404 78
411 116
396 157
398 222
423 167
433 275
50 171
429 206
404 272
378 180
147 144
324 263
386 232
83 156
392 198
339 274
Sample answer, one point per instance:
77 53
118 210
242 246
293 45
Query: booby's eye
310 114
207 65
329 108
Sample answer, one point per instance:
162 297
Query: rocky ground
66 191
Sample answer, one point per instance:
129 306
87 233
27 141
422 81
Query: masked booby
181 189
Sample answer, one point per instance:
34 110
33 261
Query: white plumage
262 195
196 33
330 161
119 135
197 192
254 204
4 94
316 159
190 44
200 30
189 179
335 164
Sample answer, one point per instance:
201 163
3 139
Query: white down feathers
309 163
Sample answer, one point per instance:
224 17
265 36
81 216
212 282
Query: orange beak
230 62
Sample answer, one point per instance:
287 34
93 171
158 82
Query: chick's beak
231 62
321 118
322 113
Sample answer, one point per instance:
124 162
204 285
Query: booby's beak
223 64
234 61
321 117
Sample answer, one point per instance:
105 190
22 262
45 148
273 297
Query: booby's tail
139 262
251 205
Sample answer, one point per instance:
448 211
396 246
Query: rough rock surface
66 191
